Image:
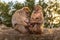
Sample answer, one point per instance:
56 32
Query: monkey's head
26 9
37 7
25 15
36 16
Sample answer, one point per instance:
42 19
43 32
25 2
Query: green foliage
18 5
4 9
30 4
51 11
42 3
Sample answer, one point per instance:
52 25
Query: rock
11 34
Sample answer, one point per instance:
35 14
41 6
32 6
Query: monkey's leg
21 29
37 29
40 30
33 28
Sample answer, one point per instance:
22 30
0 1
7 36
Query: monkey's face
25 16
35 18
25 21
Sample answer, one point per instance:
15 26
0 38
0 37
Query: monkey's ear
26 9
37 7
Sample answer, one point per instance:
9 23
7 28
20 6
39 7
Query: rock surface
11 34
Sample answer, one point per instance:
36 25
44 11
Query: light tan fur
20 19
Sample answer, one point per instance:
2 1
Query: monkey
20 20
36 20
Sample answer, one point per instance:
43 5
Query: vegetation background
51 11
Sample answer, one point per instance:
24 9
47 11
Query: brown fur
20 19
36 20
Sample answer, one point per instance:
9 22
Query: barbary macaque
20 20
36 20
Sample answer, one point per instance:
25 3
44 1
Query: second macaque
36 20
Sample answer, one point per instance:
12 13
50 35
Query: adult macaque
20 20
36 20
